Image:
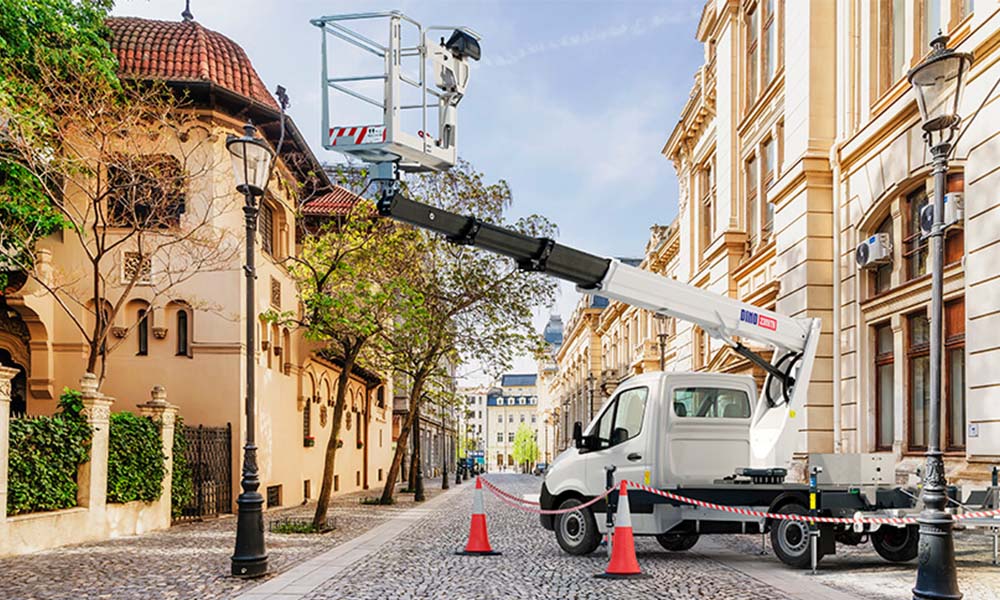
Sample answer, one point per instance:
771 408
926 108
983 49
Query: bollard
813 527
612 502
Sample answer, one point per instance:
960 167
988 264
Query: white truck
704 436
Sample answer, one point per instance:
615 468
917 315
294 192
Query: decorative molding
119 332
160 332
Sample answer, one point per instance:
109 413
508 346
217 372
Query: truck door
619 439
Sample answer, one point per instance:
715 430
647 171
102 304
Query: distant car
540 469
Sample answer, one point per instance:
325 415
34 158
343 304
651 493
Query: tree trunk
418 479
389 491
323 503
411 478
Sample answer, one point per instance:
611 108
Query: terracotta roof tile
184 51
339 202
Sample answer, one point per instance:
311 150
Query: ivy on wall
182 486
45 456
136 463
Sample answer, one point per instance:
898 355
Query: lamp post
661 335
590 390
251 167
937 86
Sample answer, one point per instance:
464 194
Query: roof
184 51
337 203
518 380
553 333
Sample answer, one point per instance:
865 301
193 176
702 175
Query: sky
571 103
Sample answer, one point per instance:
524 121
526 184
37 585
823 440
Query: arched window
183 341
143 333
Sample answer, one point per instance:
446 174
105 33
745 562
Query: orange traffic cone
623 563
479 540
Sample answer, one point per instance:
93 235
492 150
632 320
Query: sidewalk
188 561
299 581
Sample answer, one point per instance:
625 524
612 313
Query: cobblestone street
187 562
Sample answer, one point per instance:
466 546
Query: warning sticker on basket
361 134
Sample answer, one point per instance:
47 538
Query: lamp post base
250 559
936 576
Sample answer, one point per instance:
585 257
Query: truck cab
666 430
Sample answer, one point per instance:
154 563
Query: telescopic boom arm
722 317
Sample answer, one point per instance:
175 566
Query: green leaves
525 445
136 464
45 455
182 483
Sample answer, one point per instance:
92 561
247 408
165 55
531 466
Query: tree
118 163
66 36
525 446
353 277
475 306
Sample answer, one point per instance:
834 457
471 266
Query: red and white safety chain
519 503
793 517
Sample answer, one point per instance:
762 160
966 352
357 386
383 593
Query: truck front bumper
547 502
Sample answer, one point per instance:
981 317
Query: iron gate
209 455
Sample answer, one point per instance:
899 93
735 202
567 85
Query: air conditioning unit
874 251
954 213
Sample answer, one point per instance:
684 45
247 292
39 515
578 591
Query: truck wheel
790 539
576 531
677 542
896 544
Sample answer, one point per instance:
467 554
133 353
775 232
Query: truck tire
677 542
896 544
576 531
790 539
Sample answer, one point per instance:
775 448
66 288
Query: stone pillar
93 476
6 374
165 414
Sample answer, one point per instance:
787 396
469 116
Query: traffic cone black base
617 576
483 553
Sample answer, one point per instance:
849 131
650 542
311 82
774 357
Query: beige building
800 107
191 340
514 404
574 387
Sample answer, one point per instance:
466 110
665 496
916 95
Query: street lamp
590 390
251 167
661 334
937 86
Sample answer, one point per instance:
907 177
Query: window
954 374
307 419
510 418
770 38
752 205
914 248
954 244
707 188
266 221
499 418
183 344
510 436
919 375
961 9
522 418
499 437
137 269
884 385
534 419
751 53
143 333
621 419
273 495
931 25
882 275
891 41
145 192
767 155
711 403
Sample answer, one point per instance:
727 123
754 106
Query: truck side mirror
578 434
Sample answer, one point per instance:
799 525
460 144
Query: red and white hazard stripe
357 134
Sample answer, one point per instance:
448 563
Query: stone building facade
514 404
799 140
191 341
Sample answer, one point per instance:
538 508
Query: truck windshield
711 402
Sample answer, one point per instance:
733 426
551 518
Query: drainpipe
837 425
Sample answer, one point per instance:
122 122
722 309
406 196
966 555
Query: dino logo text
748 316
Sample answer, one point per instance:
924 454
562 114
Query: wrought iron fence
209 454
